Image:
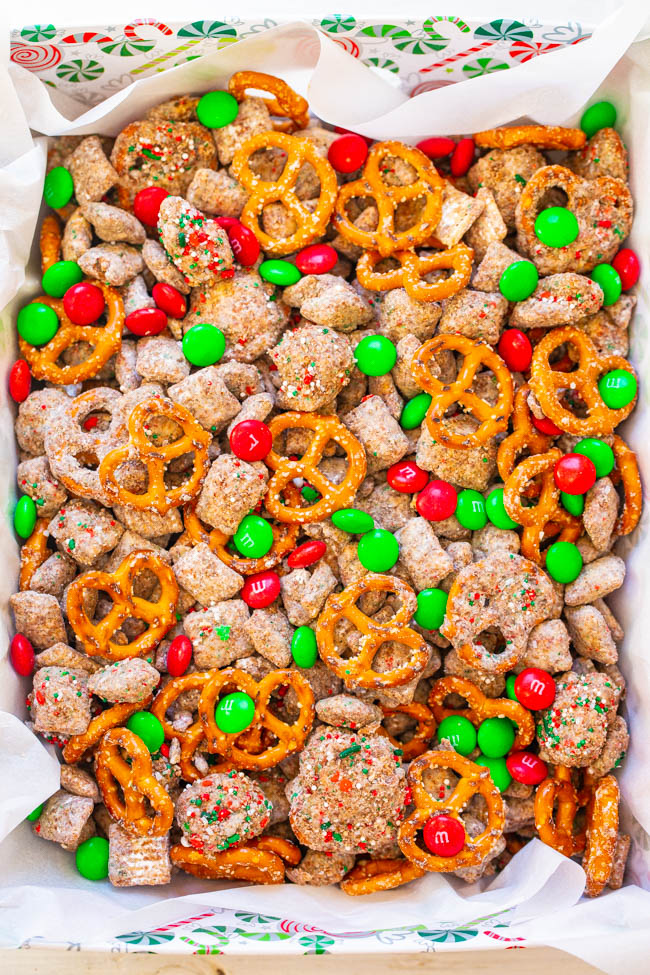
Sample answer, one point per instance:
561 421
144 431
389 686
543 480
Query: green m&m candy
58 187
353 521
563 561
498 770
432 606
573 503
61 276
37 323
519 280
378 550
310 494
601 115
510 686
234 712
375 355
617 388
496 512
459 731
470 510
496 737
304 648
24 516
254 536
279 272
599 453
414 411
203 344
216 109
91 858
146 726
35 813
556 227
609 280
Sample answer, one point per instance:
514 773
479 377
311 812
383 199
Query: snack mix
320 484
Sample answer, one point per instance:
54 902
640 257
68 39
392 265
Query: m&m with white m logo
444 835
534 688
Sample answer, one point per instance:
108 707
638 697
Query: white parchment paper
42 894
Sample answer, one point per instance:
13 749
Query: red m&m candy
20 381
147 204
462 158
526 767
627 264
348 153
535 689
436 147
306 554
316 259
83 303
544 425
574 474
444 835
406 477
251 440
261 589
169 300
515 350
21 654
244 243
179 655
146 321
437 501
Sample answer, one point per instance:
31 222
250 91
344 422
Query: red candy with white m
444 835
535 689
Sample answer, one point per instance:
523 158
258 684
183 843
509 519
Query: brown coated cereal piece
162 268
257 407
350 712
400 316
422 555
609 337
488 228
219 810
381 435
135 295
614 749
84 531
126 375
125 681
615 627
180 109
77 236
37 616
496 259
61 701
558 299
312 364
150 524
61 655
113 264
596 580
219 633
601 513
490 539
273 783
476 314
505 172
132 542
79 783
113 224
548 648
137 861
197 245
253 117
217 193
401 371
206 577
573 730
270 633
160 153
35 478
459 212
492 685
590 634
53 575
92 173
231 489
320 869
471 468
160 358
350 793
304 594
603 155
328 300
67 820
34 416
207 397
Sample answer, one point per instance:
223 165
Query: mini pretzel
105 339
333 496
492 419
286 103
481 707
290 737
556 828
548 511
118 714
601 835
50 242
548 383
369 876
311 224
193 736
137 781
524 436
628 470
356 671
542 136
284 539
428 186
422 735
474 780
158 496
409 275
33 553
97 637
260 861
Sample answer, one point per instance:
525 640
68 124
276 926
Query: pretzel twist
542 136
424 731
192 737
556 827
333 496
158 496
357 671
137 782
491 419
286 102
311 224
481 707
474 780
33 553
369 876
50 242
524 437
118 714
159 615
412 268
601 835
628 470
428 186
260 861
